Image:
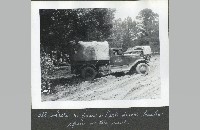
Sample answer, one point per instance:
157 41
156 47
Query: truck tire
88 73
142 68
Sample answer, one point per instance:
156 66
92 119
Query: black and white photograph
100 53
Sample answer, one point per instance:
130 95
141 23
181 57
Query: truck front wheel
142 68
88 73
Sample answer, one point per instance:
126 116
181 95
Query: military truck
94 58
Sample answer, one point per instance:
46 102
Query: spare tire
88 73
142 68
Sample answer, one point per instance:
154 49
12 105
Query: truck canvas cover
88 51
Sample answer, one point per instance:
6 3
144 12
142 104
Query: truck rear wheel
88 73
142 68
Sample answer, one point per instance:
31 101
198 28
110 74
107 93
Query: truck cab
127 62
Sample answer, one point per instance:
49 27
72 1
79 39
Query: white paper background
160 7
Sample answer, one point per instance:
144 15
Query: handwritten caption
107 117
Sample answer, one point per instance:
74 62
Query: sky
123 8
133 9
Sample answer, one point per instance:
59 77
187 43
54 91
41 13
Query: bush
46 68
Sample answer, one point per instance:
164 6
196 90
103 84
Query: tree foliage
142 31
59 27
123 33
148 29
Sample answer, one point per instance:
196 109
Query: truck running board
123 68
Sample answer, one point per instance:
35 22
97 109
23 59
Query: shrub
46 68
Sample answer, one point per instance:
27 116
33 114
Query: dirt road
128 87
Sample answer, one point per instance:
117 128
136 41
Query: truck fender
136 62
87 65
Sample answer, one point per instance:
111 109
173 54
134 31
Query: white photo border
161 5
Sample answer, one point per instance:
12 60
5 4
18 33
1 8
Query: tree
129 27
59 27
124 33
148 28
117 34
